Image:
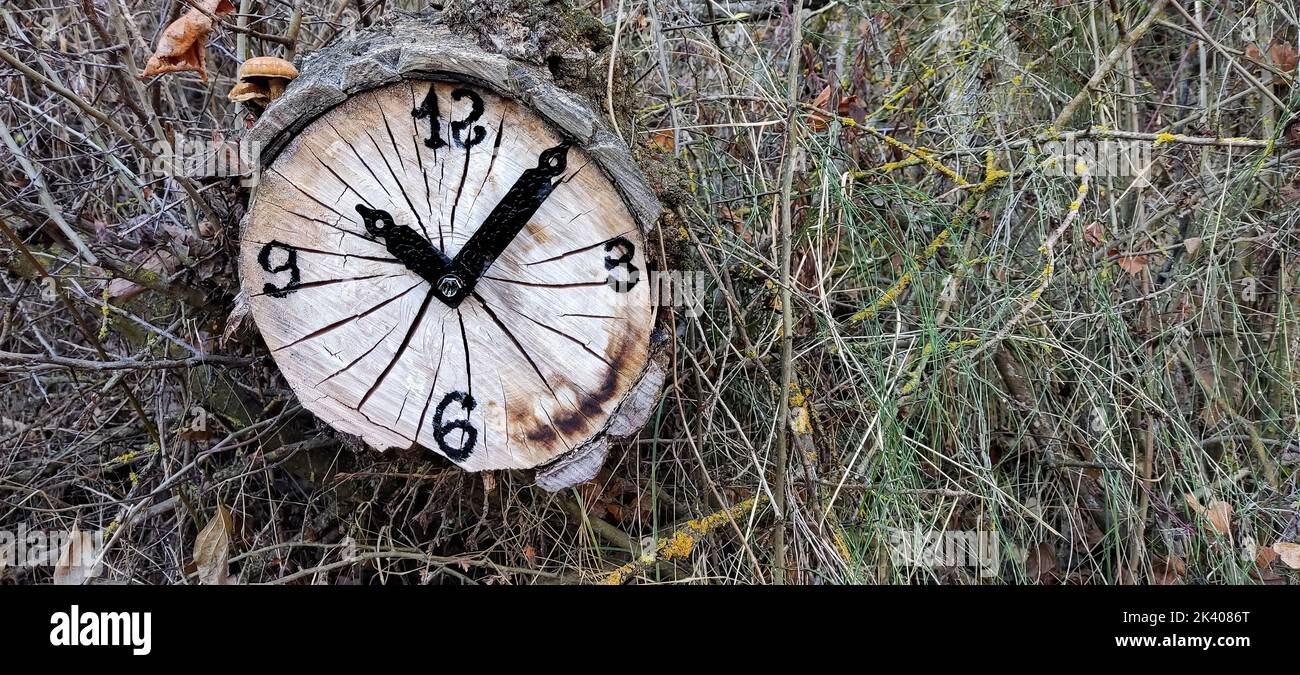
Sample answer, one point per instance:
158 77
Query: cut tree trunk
446 251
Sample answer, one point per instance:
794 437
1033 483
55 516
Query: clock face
432 265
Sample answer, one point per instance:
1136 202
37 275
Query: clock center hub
450 286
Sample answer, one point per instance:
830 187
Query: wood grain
546 349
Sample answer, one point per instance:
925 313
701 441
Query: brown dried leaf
1289 553
1264 556
72 568
1094 233
662 140
1168 571
156 263
817 119
1218 515
183 45
1284 57
238 317
1133 264
1041 565
212 549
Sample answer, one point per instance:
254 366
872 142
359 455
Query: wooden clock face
432 265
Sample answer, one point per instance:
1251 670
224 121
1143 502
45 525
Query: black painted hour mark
631 275
469 435
476 111
429 108
289 265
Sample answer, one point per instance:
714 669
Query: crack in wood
433 387
597 316
337 254
364 163
401 349
322 204
347 319
346 185
424 171
538 284
464 339
326 223
356 361
566 336
463 175
409 203
524 352
581 249
496 148
323 282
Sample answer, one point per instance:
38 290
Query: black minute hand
405 244
502 225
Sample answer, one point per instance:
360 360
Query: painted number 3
627 279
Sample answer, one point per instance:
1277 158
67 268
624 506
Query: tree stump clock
446 251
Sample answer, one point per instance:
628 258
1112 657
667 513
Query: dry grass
1081 366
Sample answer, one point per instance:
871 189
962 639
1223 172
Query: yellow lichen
841 546
679 546
680 543
103 310
992 174
904 281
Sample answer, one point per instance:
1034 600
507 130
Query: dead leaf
1284 57
1289 553
73 568
817 119
159 263
662 140
1218 515
1191 244
1264 556
1168 571
212 549
238 317
530 555
183 45
1133 264
1094 233
1041 565
198 428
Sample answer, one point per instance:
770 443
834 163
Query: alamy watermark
680 289
40 548
1098 157
205 158
977 549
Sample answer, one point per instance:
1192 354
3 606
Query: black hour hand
502 225
405 244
